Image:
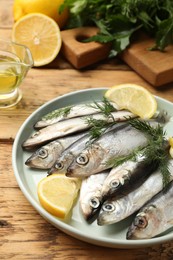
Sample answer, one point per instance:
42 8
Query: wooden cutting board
81 54
154 66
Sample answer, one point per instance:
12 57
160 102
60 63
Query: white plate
111 235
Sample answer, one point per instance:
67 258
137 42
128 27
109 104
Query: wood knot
3 223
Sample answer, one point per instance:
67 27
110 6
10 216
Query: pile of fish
109 194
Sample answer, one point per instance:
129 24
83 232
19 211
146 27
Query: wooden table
24 234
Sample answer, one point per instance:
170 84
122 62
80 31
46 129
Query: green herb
155 133
155 152
105 107
118 20
97 127
122 159
61 112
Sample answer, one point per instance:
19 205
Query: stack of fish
107 193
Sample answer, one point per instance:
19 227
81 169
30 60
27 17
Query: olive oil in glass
15 61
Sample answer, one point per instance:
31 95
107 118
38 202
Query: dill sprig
61 112
155 152
97 127
163 166
105 107
122 159
146 128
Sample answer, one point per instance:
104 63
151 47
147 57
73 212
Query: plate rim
65 227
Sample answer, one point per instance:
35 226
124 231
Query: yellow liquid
10 73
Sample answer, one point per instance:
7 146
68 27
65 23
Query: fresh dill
145 127
97 127
155 152
122 159
105 107
61 112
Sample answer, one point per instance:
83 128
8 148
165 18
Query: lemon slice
134 98
41 34
57 194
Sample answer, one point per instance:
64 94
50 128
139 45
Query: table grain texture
24 234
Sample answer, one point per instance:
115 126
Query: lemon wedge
171 146
41 34
134 98
57 194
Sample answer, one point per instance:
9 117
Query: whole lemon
47 7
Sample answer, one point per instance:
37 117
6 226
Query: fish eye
82 159
115 183
108 207
59 165
141 222
94 203
35 134
43 153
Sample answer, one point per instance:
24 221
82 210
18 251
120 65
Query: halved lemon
57 194
134 98
41 34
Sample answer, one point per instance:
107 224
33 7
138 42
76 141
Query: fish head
61 164
145 224
109 213
88 162
41 159
32 140
114 182
90 205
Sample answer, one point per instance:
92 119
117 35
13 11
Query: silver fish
120 207
67 127
68 155
115 143
46 156
155 217
126 174
70 112
63 162
90 194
